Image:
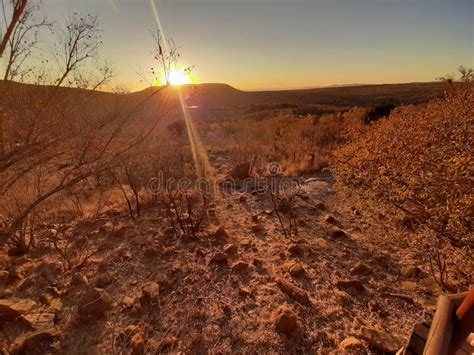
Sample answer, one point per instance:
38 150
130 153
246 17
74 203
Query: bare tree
19 7
78 41
22 41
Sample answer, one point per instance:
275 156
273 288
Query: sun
179 77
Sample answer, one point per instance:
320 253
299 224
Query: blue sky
289 43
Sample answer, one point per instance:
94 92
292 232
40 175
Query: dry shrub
419 160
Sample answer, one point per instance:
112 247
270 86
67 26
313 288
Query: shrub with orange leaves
419 159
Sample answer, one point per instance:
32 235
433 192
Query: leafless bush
283 199
186 210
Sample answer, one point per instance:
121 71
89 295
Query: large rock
95 301
240 266
13 308
293 291
38 321
285 319
32 343
380 340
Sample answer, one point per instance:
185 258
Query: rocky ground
240 285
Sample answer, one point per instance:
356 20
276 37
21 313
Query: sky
274 44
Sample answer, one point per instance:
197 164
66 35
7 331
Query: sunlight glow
179 77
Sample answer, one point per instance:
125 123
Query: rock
293 291
242 198
375 307
151 292
13 308
350 284
338 233
240 266
351 346
219 258
128 302
294 268
255 218
285 319
361 269
138 343
245 291
95 301
38 321
410 271
218 232
32 343
231 249
409 285
50 271
379 340
295 249
329 219
240 171
103 280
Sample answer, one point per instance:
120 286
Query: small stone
242 198
350 284
255 218
151 291
409 285
361 269
231 249
285 319
294 268
245 291
295 249
351 346
128 302
240 266
257 262
219 258
103 280
338 233
329 219
379 340
137 343
293 291
219 232
95 301
410 272
320 206
375 307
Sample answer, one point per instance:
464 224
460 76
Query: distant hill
223 96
